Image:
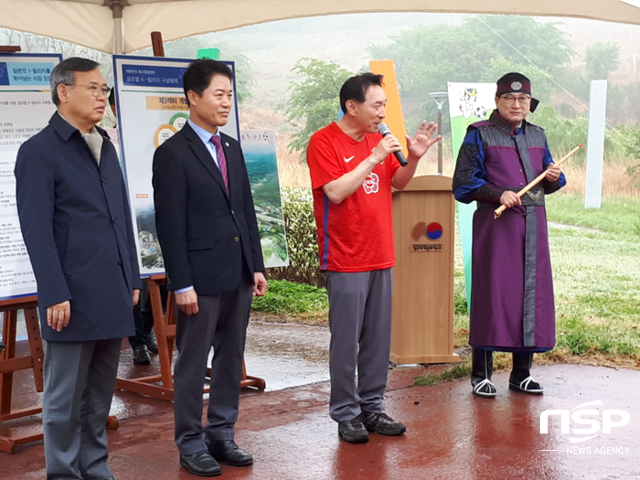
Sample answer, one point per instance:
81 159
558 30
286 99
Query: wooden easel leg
6 379
165 328
35 346
35 361
113 423
157 44
160 321
248 381
7 445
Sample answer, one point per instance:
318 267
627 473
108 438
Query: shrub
302 239
460 304
563 134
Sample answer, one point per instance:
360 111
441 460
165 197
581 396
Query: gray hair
63 74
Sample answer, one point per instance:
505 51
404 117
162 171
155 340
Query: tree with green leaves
480 49
314 102
602 58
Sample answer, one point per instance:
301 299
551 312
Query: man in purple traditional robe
512 306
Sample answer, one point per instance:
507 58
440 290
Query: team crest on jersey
371 184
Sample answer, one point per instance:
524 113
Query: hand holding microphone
384 131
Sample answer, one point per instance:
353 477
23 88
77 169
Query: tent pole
118 46
117 6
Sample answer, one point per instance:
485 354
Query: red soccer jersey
357 234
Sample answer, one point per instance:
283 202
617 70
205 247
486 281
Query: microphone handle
399 155
401 160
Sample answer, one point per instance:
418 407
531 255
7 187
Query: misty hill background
273 49
266 53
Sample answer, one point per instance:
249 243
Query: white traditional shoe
528 385
485 389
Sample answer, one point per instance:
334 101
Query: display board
25 109
259 148
151 108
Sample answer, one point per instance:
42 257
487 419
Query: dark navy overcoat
76 224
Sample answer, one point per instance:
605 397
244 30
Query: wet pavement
302 354
451 434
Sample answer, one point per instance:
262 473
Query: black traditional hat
516 83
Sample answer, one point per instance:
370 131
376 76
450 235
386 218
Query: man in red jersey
352 171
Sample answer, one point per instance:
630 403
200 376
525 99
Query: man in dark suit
76 224
208 232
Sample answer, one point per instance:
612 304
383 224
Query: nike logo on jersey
347 160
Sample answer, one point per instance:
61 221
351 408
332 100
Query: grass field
597 276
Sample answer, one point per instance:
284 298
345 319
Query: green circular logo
178 120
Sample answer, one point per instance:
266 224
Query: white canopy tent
123 26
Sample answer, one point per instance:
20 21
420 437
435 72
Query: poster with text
259 148
25 109
468 103
151 108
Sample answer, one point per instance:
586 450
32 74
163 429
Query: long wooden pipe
535 181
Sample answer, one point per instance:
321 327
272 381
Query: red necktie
222 160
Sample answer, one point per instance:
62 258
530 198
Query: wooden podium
424 228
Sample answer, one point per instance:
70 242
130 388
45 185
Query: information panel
151 108
25 109
259 148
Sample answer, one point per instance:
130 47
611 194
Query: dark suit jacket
76 224
208 237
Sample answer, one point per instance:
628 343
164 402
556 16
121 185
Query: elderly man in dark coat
512 307
76 224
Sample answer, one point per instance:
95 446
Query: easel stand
9 363
164 325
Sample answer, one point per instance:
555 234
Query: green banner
468 103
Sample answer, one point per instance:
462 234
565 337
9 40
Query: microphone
384 131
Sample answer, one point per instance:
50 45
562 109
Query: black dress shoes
141 355
201 464
226 451
151 342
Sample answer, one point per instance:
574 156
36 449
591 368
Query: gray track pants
360 322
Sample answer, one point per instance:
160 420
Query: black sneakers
353 431
356 430
382 423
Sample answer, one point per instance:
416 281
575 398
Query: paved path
451 434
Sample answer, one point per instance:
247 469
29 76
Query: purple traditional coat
512 305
